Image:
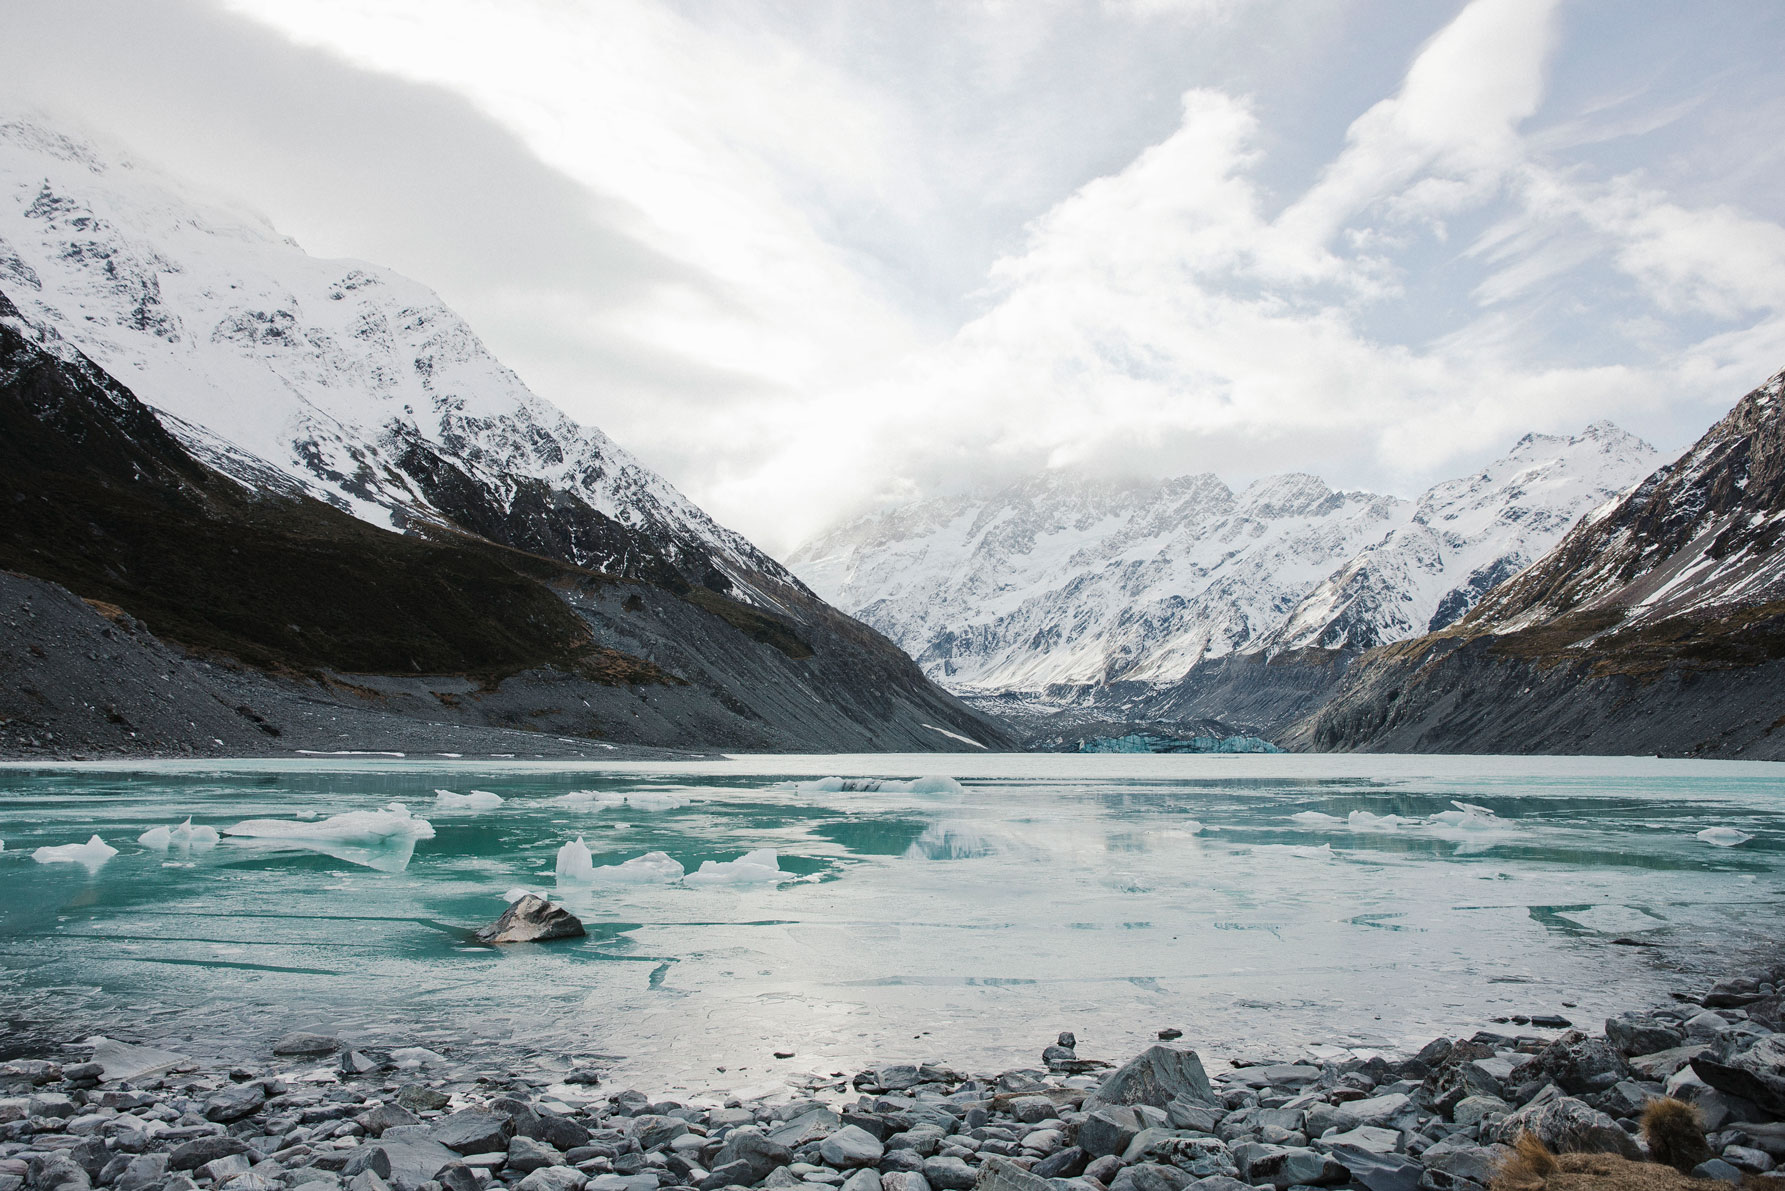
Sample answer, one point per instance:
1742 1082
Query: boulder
193 1154
999 1174
1378 1170
304 1045
948 1174
812 1125
1575 1062
749 1145
1566 1125
58 1172
553 1178
903 1180
1157 1076
1756 1073
1633 1034
1457 1162
532 919
1283 1167
850 1147
1150 1176
472 1131
1376 1110
1061 1164
377 1119
1108 1131
412 1161
527 1155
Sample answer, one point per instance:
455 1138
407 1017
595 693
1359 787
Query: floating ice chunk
1191 827
476 800
653 868
1473 828
1367 821
752 868
1315 819
880 785
384 840
1724 837
185 837
1300 851
654 800
575 863
93 853
952 840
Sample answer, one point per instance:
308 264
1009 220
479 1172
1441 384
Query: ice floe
383 839
184 837
880 785
952 840
653 868
1299 851
1724 837
93 853
476 800
575 862
1367 821
760 867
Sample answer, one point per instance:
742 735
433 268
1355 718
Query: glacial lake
1237 898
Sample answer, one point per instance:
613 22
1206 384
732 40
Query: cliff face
1656 625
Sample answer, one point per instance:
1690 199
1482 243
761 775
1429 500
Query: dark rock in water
1059 1057
583 1075
1158 1076
532 919
1170 1034
305 1045
1067 1039
1756 1073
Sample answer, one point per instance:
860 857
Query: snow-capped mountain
1465 537
352 383
1064 579
1702 537
1067 580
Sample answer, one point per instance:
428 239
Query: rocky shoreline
322 1115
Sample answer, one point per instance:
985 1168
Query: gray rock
472 1131
862 1180
1104 1170
851 1146
948 1174
1748 1158
812 1125
1634 1034
456 1176
193 1154
1566 1125
999 1174
378 1118
223 1168
1030 1109
1200 1157
1157 1076
1369 1139
652 1130
58 1172
1061 1164
1471 1109
903 1180
748 1144
893 1077
1108 1131
1716 1168
141 1172
1151 1176
1663 1064
1756 1073
556 1178
1283 1167
1379 1171
411 1160
532 919
738 1172
367 1180
528 1155
299 1044
1376 1110
1703 1027
615 1182
1574 1062
1220 1182
1189 1114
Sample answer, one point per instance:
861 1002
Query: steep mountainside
311 629
1658 623
1142 598
321 471
1465 537
1066 580
338 378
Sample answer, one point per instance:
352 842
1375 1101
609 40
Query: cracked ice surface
964 909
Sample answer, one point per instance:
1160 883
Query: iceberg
1368 821
93 853
590 798
1722 837
476 800
383 840
760 867
653 868
184 837
575 863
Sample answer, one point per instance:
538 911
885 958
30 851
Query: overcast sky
801 256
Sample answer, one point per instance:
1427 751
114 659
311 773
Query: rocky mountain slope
298 415
1124 593
1656 624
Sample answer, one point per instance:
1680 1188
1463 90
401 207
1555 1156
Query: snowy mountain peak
355 383
1070 580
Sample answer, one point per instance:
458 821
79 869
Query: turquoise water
1229 896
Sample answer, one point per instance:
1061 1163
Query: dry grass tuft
1531 1167
1675 1133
